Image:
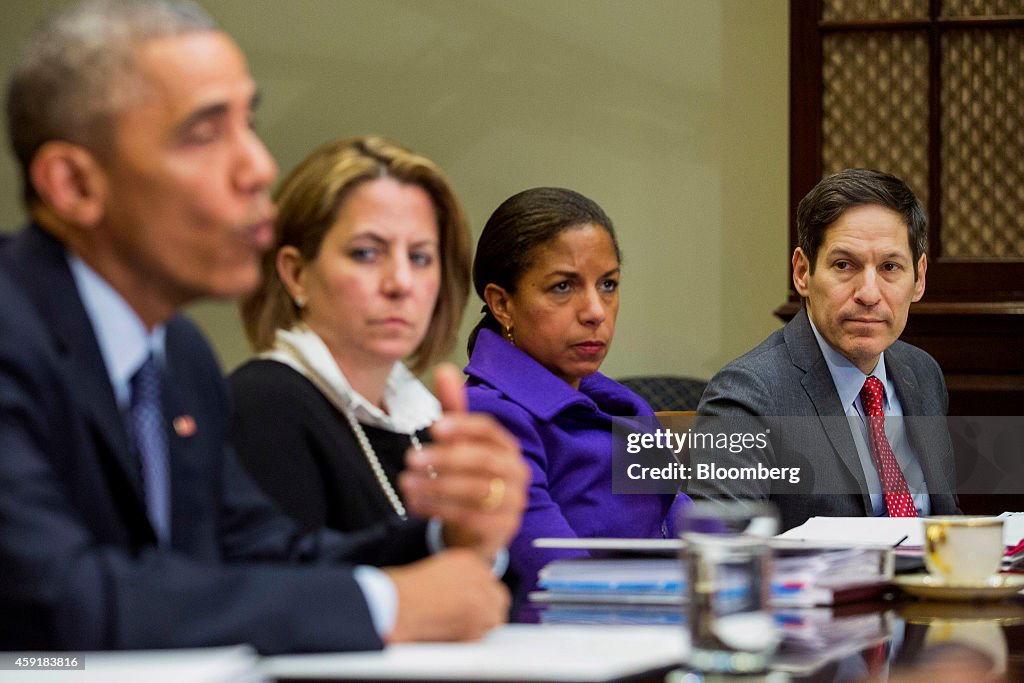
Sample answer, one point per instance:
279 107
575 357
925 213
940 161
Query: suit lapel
907 388
925 441
179 453
821 390
39 261
186 448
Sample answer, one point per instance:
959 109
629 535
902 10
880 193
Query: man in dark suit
860 262
125 520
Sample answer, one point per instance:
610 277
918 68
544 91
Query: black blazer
80 565
302 452
787 376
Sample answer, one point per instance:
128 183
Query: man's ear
801 271
922 266
69 182
500 304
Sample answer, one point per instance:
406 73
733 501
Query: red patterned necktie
897 496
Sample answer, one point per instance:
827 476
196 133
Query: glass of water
727 562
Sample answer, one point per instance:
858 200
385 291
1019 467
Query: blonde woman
363 289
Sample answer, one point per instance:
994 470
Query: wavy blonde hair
308 203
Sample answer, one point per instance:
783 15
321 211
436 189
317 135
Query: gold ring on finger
495 494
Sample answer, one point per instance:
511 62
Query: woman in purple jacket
548 267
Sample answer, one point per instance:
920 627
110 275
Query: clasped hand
473 478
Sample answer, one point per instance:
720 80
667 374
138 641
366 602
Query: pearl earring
300 301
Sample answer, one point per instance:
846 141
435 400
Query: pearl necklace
374 461
295 359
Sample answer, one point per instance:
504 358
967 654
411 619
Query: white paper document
521 652
1013 528
850 531
906 531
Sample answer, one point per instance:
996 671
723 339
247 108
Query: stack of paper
906 534
647 580
803 575
1013 537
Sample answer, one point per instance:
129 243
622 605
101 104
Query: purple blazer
566 439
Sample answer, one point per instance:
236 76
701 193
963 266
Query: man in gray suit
838 367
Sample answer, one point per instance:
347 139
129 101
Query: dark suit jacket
78 558
787 376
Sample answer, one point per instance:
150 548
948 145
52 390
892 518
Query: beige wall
672 114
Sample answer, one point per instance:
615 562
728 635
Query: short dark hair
518 228
852 187
78 72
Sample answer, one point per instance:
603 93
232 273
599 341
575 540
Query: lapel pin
184 426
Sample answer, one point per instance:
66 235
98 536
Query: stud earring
300 301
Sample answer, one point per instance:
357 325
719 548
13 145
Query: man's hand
449 596
472 476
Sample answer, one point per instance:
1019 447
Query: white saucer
995 587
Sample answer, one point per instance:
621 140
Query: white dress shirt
409 406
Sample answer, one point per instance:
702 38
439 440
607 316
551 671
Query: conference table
888 638
893 638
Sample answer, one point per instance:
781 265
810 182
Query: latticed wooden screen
983 143
981 8
875 104
868 10
932 91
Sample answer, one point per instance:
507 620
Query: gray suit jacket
786 376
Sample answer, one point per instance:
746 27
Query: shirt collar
121 334
847 377
410 405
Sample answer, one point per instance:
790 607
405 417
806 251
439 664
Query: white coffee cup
963 549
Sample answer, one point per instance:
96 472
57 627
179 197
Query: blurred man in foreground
125 521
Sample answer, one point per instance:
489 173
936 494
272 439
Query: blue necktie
151 441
